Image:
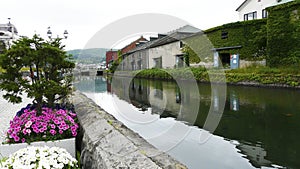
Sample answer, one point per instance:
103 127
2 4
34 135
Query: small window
245 17
181 45
264 13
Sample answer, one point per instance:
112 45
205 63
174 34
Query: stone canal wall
106 143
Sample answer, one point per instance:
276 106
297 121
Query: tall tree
50 71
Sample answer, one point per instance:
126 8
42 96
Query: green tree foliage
50 71
2 47
197 48
116 63
189 55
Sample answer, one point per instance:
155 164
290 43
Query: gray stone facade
107 143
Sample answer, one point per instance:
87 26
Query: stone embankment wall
106 143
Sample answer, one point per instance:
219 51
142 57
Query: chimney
153 38
161 36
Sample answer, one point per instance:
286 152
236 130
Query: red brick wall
111 55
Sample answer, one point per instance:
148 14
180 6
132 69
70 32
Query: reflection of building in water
108 85
234 102
256 154
90 84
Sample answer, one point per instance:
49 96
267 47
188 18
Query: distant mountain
88 56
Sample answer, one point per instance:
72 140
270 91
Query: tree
2 46
50 71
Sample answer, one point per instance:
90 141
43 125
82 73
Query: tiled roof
173 36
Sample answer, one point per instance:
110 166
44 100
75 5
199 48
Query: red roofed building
111 56
133 45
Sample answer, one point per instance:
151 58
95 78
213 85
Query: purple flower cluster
52 124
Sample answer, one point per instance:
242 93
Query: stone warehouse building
162 52
112 55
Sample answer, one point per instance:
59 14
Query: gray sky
83 18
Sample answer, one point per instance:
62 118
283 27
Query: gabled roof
173 36
186 29
241 5
276 3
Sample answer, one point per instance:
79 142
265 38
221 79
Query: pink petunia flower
28 124
53 132
23 140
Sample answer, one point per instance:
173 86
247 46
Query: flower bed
40 157
52 124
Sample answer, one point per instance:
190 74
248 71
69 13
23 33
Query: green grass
262 75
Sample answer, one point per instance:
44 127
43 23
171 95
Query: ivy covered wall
276 38
283 30
239 34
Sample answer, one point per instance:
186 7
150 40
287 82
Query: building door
225 58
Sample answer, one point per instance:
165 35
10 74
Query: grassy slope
258 75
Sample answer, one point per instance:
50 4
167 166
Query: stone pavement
7 113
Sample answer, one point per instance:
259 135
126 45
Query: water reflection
258 129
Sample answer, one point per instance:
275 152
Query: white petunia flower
40 157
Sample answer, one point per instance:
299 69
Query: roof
132 45
173 36
241 5
186 29
276 3
8 27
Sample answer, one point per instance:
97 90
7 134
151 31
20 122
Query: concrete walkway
7 113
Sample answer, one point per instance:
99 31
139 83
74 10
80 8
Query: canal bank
258 128
257 77
107 143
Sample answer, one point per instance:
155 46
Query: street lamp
49 33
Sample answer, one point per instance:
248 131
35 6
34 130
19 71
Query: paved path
7 112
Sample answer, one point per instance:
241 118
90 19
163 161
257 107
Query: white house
8 33
256 9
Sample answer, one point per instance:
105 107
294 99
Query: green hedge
284 35
240 33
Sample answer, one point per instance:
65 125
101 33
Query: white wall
255 5
168 53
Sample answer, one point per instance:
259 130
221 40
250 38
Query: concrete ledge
107 143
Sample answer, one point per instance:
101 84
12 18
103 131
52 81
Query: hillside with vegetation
88 56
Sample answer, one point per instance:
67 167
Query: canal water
255 127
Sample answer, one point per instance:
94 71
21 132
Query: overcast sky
83 18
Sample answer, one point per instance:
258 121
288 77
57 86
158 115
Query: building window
179 61
181 44
158 62
250 16
264 13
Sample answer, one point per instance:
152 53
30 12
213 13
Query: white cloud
83 19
